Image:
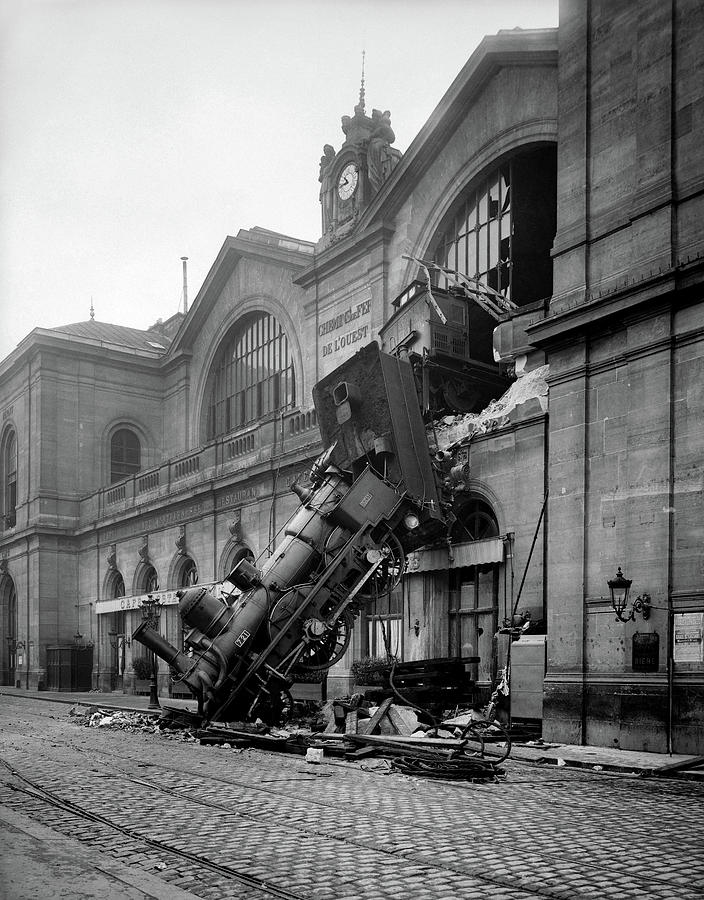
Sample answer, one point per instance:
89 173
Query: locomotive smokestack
184 260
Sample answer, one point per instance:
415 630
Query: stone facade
616 91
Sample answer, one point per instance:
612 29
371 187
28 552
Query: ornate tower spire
360 105
92 311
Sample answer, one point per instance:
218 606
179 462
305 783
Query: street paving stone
343 830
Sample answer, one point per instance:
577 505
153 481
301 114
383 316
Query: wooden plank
373 723
403 746
351 722
361 752
412 741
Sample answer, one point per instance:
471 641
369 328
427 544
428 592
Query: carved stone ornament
144 549
112 557
181 540
4 562
235 526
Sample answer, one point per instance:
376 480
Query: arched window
115 587
125 455
252 376
148 581
234 554
9 469
475 521
501 230
188 574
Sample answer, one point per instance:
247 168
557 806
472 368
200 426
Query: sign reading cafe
165 598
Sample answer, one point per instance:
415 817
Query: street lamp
620 587
151 612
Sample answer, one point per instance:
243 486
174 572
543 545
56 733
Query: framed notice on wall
688 633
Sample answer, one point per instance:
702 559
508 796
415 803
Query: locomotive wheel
325 652
387 575
323 646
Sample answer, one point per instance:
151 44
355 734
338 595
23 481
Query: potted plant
142 668
371 672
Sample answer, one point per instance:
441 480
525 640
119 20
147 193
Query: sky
136 132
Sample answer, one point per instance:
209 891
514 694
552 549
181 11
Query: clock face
347 183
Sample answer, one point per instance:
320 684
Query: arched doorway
8 605
118 641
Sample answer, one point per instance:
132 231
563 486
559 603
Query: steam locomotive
371 497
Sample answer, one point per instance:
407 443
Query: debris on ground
350 728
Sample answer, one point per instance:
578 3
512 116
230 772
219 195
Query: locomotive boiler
371 497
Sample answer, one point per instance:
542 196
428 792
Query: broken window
501 230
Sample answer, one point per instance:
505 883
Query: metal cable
461 768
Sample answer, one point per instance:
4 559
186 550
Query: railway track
213 799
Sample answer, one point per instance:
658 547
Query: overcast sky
135 132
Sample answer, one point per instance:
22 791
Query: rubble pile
349 728
96 717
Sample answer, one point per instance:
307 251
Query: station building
562 169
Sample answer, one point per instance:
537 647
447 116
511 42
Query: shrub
371 669
142 667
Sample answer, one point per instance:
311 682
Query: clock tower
350 177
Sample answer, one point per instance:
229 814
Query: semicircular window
501 229
475 522
251 377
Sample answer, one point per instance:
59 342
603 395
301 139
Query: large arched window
252 376
9 479
125 455
501 230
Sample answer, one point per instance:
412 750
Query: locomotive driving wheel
388 573
323 643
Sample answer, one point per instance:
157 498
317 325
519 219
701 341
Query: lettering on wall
235 497
334 342
145 524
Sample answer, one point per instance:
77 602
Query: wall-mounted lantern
619 588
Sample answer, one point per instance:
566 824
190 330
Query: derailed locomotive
372 496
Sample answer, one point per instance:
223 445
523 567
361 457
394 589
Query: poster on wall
688 631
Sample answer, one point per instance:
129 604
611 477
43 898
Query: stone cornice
62 343
621 301
276 250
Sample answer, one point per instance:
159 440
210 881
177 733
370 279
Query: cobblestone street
106 813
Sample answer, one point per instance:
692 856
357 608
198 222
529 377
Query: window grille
254 376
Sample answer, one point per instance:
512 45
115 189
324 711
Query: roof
117 335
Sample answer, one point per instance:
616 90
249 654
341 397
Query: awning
471 553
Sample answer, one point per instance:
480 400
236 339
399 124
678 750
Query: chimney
184 260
